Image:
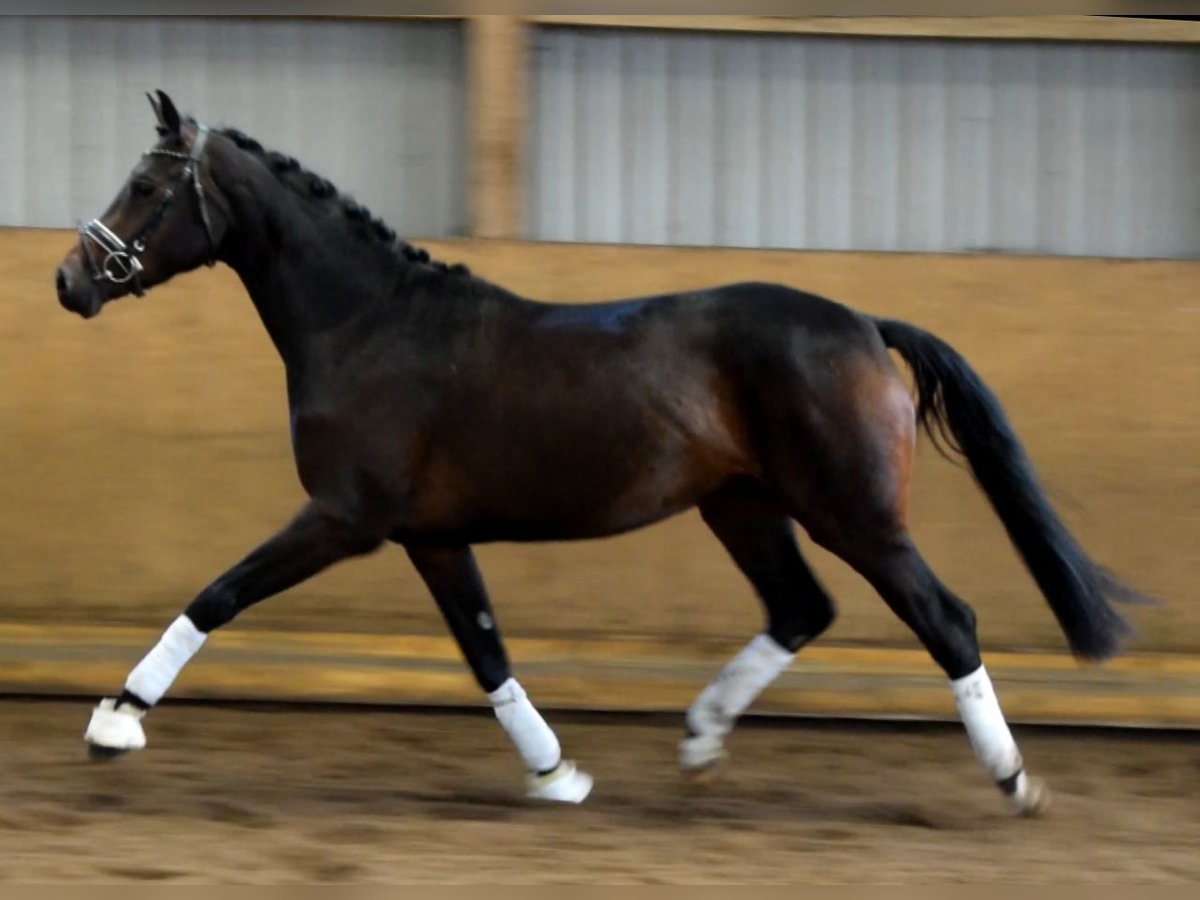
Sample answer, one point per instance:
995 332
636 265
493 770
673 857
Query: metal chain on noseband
121 264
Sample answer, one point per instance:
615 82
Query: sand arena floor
272 795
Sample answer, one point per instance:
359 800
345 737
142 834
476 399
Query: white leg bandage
534 739
737 686
155 673
990 738
727 696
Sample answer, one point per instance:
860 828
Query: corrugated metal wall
378 108
866 144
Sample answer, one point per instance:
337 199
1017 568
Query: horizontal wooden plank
1159 690
1114 29
151 447
1036 28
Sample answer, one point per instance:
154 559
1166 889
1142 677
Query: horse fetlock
114 729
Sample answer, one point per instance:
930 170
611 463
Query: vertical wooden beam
496 84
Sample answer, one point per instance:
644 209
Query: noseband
121 264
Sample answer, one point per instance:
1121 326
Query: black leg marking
453 579
762 543
943 623
311 543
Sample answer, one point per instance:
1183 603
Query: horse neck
307 276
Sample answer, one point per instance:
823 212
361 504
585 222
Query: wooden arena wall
145 451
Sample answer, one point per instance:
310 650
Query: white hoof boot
114 729
699 756
566 784
1032 797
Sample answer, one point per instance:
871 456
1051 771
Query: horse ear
166 113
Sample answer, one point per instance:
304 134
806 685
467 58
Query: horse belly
562 482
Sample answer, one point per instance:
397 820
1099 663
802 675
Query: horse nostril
60 282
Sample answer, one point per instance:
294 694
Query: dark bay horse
435 410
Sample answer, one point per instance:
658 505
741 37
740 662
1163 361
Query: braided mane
311 185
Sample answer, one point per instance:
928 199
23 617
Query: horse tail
954 406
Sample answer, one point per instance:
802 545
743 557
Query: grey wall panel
865 144
378 108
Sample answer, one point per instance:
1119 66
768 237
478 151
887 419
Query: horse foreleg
310 543
453 579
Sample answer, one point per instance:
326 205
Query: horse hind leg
945 625
858 512
760 539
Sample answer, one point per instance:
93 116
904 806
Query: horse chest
346 456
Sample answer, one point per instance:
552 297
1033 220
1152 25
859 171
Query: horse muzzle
77 291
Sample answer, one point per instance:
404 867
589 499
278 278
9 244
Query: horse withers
436 410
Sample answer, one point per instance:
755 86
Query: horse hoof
701 776
114 730
699 758
1034 800
566 784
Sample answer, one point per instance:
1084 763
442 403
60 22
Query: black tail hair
956 408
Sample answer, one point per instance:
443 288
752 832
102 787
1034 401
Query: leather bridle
121 263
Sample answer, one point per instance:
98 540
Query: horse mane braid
306 183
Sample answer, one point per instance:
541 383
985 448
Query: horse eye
142 188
